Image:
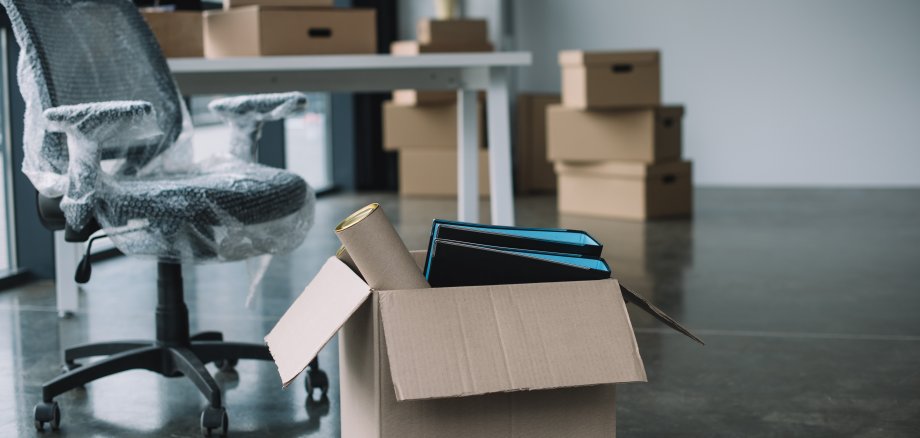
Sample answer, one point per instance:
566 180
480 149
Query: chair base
173 354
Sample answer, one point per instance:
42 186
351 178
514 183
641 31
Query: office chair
107 146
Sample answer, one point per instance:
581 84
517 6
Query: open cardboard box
524 360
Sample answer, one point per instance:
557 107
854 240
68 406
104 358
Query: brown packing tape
378 252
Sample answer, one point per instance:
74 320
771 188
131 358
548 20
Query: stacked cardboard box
422 125
533 172
617 150
288 27
179 33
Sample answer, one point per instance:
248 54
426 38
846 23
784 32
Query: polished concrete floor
809 301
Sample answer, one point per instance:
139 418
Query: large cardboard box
282 3
649 135
458 32
427 127
610 79
534 171
433 172
624 189
465 361
180 33
264 31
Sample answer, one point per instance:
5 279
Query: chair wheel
226 365
214 420
316 379
47 413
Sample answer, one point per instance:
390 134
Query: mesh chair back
81 51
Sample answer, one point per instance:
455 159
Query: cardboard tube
378 252
342 254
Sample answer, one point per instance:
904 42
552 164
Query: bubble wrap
106 129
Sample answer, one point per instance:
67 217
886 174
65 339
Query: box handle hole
622 68
669 179
319 32
667 122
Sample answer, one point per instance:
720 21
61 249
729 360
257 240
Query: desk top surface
349 62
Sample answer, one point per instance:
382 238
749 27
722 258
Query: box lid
316 315
462 341
581 57
623 169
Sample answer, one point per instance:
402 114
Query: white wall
778 93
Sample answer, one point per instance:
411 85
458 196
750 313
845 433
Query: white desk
465 72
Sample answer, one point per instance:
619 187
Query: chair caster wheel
214 420
47 413
316 379
226 365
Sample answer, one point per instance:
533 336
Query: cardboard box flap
572 58
462 341
624 169
324 306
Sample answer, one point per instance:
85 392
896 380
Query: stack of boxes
421 126
616 149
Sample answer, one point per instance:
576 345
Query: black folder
452 263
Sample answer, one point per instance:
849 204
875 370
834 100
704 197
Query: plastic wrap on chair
246 114
107 129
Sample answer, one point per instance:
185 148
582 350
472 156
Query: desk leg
467 156
500 168
66 257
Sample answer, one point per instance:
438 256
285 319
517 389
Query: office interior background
796 265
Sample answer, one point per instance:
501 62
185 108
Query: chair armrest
247 114
87 127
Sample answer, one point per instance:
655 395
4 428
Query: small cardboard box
610 79
452 32
263 31
433 172
280 3
625 189
180 33
534 172
427 127
649 135
413 48
465 361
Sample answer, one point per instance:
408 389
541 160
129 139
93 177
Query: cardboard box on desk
595 80
458 32
648 135
433 172
228 4
625 189
534 171
269 31
414 48
180 33
425 127
465 362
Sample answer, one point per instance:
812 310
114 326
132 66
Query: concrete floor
808 301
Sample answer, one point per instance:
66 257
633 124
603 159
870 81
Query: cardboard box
465 361
261 31
452 32
610 79
180 33
280 3
534 171
627 190
433 172
649 135
428 127
413 48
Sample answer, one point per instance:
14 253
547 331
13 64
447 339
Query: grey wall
778 93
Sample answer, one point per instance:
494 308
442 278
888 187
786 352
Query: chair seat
231 194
